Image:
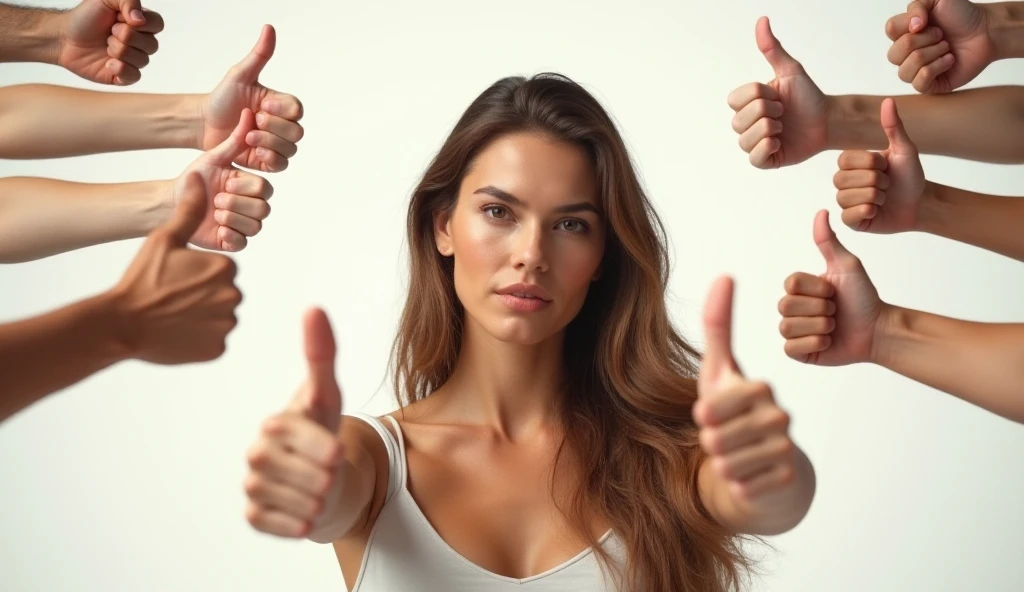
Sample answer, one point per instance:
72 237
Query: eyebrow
508 198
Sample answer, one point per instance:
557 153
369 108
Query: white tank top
404 552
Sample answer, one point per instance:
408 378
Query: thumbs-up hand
107 41
783 122
175 305
296 469
742 428
277 114
237 203
882 192
941 45
832 319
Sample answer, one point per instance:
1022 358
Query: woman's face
526 235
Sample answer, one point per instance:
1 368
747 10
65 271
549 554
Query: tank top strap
395 445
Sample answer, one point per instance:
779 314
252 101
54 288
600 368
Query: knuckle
253 485
709 440
253 515
736 124
258 455
778 418
761 391
786 475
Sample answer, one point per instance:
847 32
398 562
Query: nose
529 251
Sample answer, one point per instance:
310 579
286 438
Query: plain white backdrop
132 479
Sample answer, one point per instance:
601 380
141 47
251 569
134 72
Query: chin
520 331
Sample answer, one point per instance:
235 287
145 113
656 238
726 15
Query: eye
574 226
497 212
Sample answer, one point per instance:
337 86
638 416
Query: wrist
195 108
34 35
101 319
182 119
852 122
929 209
889 327
1005 23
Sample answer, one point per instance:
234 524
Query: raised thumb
191 210
718 358
828 243
918 16
252 65
321 397
130 11
899 140
781 62
319 344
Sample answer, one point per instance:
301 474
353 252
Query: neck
514 389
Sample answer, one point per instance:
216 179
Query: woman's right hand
296 469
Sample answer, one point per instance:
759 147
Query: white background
132 479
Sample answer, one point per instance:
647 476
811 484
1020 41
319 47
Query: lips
526 291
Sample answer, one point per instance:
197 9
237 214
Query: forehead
533 166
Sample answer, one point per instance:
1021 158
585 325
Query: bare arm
48 121
1007 28
774 513
43 217
981 363
50 352
28 35
983 124
991 222
356 482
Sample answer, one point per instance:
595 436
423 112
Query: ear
443 234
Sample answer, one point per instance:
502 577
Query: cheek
576 266
479 250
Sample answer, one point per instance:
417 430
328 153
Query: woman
548 428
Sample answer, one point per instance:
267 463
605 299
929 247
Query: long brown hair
630 376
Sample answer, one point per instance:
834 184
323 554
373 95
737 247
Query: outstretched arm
981 363
43 217
50 352
983 124
48 121
991 222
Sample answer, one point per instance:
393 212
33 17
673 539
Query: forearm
43 217
772 513
28 35
983 124
981 363
987 221
1006 26
48 121
45 354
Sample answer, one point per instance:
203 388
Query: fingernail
272 107
915 23
138 16
262 152
110 65
220 200
948 57
250 138
261 118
